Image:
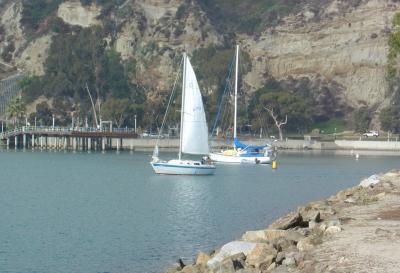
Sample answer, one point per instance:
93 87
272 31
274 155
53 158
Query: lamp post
53 121
135 123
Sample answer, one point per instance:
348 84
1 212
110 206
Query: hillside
330 57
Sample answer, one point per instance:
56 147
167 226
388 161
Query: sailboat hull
236 159
183 167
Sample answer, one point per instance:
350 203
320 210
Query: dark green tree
283 103
390 118
44 115
362 119
16 110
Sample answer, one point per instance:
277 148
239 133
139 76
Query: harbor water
64 212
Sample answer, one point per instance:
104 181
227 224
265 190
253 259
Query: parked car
154 135
371 134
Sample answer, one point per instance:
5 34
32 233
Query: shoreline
172 144
337 152
355 230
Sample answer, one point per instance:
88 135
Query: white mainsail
194 126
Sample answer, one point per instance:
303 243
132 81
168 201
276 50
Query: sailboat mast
236 90
183 99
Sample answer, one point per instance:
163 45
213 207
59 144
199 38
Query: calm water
79 212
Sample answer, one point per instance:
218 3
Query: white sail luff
182 105
194 136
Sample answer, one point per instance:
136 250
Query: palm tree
16 109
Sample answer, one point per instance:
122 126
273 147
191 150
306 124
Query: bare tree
278 123
94 108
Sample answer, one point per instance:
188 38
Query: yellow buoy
274 164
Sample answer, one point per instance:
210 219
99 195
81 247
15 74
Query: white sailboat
242 153
193 133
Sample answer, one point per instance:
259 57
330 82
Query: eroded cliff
337 49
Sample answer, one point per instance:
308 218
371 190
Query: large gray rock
291 220
289 262
231 264
262 254
229 250
370 181
202 258
332 230
280 257
298 257
283 243
309 214
305 244
270 267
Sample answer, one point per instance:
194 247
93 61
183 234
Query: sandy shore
357 230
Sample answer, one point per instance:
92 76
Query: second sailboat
240 152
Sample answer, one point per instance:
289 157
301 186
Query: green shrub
35 11
390 118
331 126
362 119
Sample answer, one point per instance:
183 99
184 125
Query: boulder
289 262
312 224
327 212
283 243
271 267
350 200
370 181
262 254
297 256
291 220
230 249
303 231
231 264
280 257
271 235
305 244
332 230
202 258
309 214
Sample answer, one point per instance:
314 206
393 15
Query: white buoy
357 156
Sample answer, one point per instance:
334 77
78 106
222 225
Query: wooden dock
77 138
92 139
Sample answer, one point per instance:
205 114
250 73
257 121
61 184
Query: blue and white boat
193 133
242 153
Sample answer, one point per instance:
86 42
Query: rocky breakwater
356 230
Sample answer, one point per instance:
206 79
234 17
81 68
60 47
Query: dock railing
61 130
